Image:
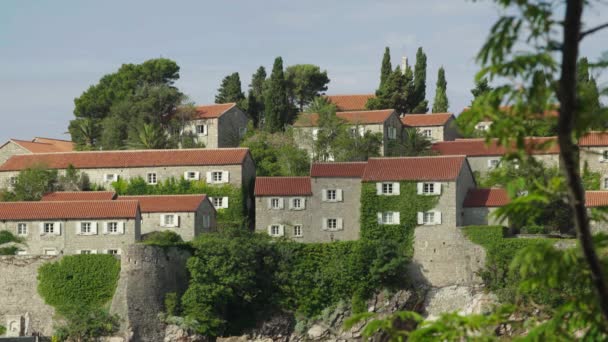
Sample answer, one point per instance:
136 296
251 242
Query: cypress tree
277 109
386 69
419 102
230 90
481 87
441 103
255 98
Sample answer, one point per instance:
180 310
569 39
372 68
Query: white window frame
110 177
428 188
427 133
387 188
112 227
298 200
22 229
297 231
169 220
275 203
205 129
332 223
493 163
152 178
49 227
21 252
392 133
50 251
219 202
84 225
192 175
388 217
116 250
12 181
428 218
276 230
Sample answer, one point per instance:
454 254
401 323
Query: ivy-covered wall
408 203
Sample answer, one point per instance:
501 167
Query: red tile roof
350 102
166 203
359 117
80 196
63 145
283 186
594 139
344 170
421 120
44 147
596 199
70 210
413 168
127 159
479 147
493 197
213 110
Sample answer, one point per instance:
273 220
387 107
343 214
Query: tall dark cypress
230 90
277 109
386 69
441 103
419 102
255 98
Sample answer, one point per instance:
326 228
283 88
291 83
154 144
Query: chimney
403 64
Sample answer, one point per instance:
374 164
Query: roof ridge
64 140
136 151
421 157
171 195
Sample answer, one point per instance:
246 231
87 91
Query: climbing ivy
408 203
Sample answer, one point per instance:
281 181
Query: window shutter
186 175
437 188
378 189
225 176
303 201
42 228
78 251
93 251
281 203
94 228
162 220
396 188
225 202
209 179
105 227
437 217
281 230
396 217
270 203
324 223
379 215
420 217
57 228
104 251
420 188
339 223
121 227
177 221
490 163
291 207
78 225
197 175
324 195
270 230
339 195
601 157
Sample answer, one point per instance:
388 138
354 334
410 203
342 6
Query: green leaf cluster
32 183
7 237
408 203
234 215
277 154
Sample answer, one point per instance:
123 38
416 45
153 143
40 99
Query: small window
296 203
216 176
275 203
85 251
12 181
331 195
427 133
428 188
275 230
218 202
242 131
606 183
169 220
22 229
387 188
297 230
85 227
429 217
111 177
493 163
190 175
49 228
605 154
332 223
388 218
206 221
112 227
201 129
113 251
392 133
152 178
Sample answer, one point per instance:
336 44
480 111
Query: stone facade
10 149
227 130
191 224
447 132
68 239
482 216
593 157
482 164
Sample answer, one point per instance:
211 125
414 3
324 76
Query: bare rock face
463 299
174 333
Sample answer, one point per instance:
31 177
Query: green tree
255 98
481 87
305 82
277 109
441 104
85 132
32 183
277 154
386 68
230 90
419 102
150 136
415 144
9 243
396 93
320 104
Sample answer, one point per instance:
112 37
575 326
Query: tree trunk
567 96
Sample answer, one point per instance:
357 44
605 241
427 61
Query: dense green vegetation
238 277
441 103
234 215
79 288
9 243
32 183
276 154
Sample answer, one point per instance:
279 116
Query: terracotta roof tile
343 170
413 168
213 110
80 196
63 145
596 199
479 147
493 197
421 120
44 147
359 117
283 186
126 159
594 139
350 102
166 203
70 210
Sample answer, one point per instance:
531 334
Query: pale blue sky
51 51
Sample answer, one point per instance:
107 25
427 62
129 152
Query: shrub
172 304
7 237
86 325
166 238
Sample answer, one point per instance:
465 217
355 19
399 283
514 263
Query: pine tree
255 98
386 69
419 102
481 87
230 90
441 103
588 94
277 109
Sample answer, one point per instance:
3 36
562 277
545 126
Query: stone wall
10 149
19 299
147 274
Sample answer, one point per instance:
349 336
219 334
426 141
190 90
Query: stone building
218 125
64 196
348 103
36 145
383 121
484 124
597 200
186 215
72 227
484 157
217 166
480 205
593 149
436 127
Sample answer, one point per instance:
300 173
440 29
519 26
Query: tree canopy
305 82
277 109
441 103
230 90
